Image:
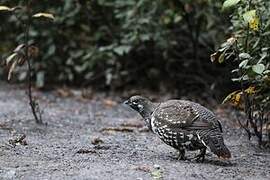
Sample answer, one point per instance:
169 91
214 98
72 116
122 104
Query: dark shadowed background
121 44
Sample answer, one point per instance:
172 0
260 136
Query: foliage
248 49
23 53
113 43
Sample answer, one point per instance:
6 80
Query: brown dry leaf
109 103
10 59
64 92
215 56
5 127
117 129
266 127
234 97
11 69
132 124
21 61
250 90
144 168
87 94
33 51
231 40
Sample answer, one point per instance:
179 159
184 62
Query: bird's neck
147 112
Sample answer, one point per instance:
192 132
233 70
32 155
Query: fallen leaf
86 151
87 94
132 124
109 103
118 129
5 127
144 168
64 92
96 141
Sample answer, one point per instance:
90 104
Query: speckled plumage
184 125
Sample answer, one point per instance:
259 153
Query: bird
183 125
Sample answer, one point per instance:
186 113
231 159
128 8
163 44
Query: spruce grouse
182 124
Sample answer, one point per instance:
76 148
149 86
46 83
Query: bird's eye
134 102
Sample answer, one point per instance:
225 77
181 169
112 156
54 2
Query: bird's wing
176 114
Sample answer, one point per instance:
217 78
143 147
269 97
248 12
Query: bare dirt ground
101 139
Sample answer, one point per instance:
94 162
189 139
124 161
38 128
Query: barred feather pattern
179 139
193 139
212 138
182 124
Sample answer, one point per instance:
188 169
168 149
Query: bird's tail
216 144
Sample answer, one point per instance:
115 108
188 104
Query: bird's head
143 106
138 103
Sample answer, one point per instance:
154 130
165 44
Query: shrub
248 49
25 52
112 43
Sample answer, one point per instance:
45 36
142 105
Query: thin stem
32 102
247 32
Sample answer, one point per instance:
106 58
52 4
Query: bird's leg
200 157
181 155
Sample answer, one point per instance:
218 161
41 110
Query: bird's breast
178 138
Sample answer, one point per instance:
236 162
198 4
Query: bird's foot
183 158
181 155
201 157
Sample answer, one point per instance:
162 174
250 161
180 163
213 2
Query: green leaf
221 57
229 3
266 72
177 18
244 56
258 68
121 50
249 16
46 15
243 64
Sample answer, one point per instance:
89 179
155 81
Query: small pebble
156 166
